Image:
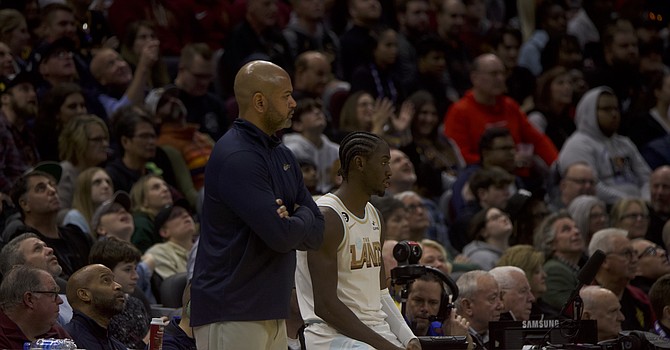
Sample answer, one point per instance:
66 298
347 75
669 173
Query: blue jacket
246 256
174 337
90 335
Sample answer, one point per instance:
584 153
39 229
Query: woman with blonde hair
435 255
632 215
94 187
148 195
82 144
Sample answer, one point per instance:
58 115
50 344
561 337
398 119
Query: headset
408 253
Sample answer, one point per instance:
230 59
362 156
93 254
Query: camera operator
424 312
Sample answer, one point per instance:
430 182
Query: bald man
256 213
485 106
95 298
602 305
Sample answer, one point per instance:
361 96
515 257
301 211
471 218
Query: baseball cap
120 197
22 77
52 168
164 214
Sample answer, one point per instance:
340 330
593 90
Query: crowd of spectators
538 129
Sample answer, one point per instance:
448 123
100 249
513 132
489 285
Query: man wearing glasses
652 263
616 272
29 307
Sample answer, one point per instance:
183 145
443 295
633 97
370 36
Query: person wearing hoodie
620 169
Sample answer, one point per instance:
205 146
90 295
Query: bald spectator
515 292
659 206
119 85
615 274
651 265
467 119
95 298
577 179
601 305
29 307
660 301
479 303
312 73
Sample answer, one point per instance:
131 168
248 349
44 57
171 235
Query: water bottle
51 344
156 334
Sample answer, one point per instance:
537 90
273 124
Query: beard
25 112
276 120
108 307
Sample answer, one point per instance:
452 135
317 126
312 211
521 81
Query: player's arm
396 321
327 305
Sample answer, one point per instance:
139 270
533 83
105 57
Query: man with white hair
515 292
479 303
602 305
615 274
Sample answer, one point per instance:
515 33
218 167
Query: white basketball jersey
359 257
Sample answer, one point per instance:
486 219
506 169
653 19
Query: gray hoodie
619 167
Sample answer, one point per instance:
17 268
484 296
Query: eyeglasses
54 294
635 216
582 182
628 254
651 250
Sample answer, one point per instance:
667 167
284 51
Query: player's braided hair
357 143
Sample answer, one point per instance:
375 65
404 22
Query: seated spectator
550 22
27 249
36 197
394 213
590 215
29 307
309 142
194 77
418 215
479 303
149 195
313 70
515 292
363 16
139 155
467 119
601 305
56 64
652 264
436 256
553 113
519 80
306 31
659 295
659 204
490 188
403 177
436 158
83 143
193 146
6 62
95 298
620 169
526 210
175 225
57 107
93 31
562 244
531 262
616 273
15 35
361 112
93 187
632 215
490 230
653 125
576 179
132 325
120 86
113 219
138 34
18 106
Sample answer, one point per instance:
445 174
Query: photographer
426 314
